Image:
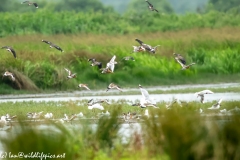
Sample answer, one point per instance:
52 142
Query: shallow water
156 97
112 94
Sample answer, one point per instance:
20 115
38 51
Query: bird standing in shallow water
53 45
10 49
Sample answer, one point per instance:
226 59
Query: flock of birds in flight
145 101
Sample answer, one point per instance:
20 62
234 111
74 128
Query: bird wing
99 64
35 4
57 47
69 72
111 64
149 3
85 86
145 94
180 62
5 47
92 60
208 91
220 101
13 52
147 47
47 42
139 41
112 67
190 64
113 59
25 2
180 58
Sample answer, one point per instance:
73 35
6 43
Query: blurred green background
205 33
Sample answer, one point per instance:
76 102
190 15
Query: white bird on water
202 93
217 105
48 116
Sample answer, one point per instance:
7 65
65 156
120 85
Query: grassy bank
37 67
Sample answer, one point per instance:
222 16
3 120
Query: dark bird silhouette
145 46
95 63
31 3
10 49
53 45
180 58
150 6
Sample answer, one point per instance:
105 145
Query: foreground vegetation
179 133
37 67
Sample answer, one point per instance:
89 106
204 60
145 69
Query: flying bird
53 45
30 3
91 101
112 86
10 49
110 66
202 93
150 6
95 63
145 46
70 74
83 86
9 74
182 61
217 105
